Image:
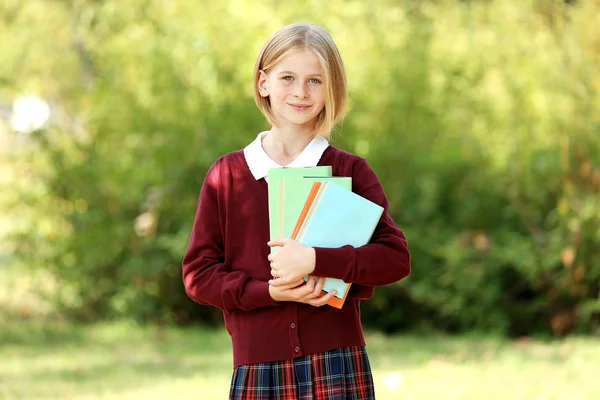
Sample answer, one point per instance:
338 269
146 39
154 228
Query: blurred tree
479 119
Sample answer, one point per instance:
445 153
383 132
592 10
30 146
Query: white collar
259 162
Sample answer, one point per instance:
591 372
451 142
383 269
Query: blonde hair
301 36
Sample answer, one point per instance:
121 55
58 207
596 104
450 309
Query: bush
479 118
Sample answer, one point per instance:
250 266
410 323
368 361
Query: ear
262 84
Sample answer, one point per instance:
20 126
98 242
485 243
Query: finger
311 290
281 282
278 282
270 257
321 301
317 290
279 242
297 283
289 286
304 293
320 284
275 242
273 273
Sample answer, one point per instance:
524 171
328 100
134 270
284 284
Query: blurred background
480 118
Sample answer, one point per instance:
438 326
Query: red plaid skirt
341 374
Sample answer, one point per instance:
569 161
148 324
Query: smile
299 107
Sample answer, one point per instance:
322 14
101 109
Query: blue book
294 192
333 217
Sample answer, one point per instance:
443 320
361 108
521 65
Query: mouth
300 107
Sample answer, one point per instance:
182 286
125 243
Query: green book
294 192
275 176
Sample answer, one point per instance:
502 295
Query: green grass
42 357
54 360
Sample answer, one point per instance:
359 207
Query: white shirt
259 162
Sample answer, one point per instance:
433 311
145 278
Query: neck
284 144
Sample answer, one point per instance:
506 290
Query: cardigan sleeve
384 260
207 279
360 292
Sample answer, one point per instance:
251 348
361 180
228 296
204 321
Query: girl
286 345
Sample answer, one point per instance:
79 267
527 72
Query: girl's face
295 89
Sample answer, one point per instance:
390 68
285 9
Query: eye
315 81
287 78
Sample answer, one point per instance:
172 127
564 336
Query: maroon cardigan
226 264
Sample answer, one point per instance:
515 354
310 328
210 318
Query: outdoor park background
480 117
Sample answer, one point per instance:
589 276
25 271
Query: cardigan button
292 325
297 349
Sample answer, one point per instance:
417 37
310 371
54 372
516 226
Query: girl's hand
300 292
293 261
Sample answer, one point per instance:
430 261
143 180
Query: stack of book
317 209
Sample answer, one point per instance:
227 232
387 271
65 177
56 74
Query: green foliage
479 118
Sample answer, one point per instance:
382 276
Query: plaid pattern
342 374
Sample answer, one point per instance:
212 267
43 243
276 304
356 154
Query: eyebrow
293 73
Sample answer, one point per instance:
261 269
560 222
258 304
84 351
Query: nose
301 90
